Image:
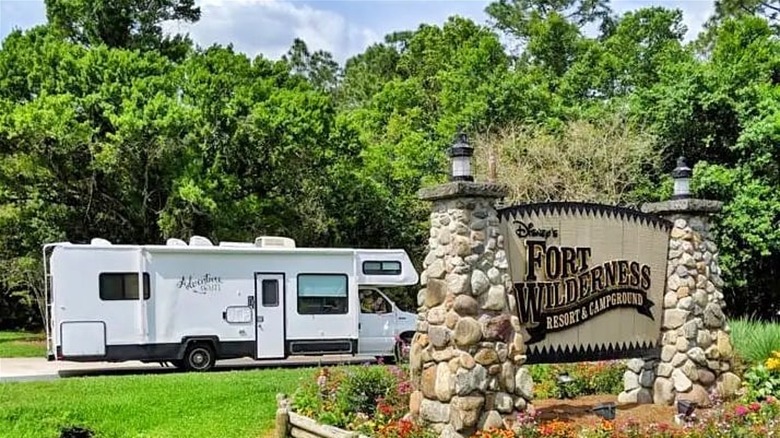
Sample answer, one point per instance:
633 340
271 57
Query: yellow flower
773 364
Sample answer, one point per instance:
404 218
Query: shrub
368 399
576 162
361 389
763 380
754 341
589 378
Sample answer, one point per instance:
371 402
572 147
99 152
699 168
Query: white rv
193 304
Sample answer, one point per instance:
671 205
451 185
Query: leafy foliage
129 24
763 380
369 399
586 378
109 128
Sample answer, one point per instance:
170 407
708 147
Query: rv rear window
382 268
121 286
320 294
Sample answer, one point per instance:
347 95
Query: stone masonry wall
467 355
696 355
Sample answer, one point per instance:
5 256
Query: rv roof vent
274 242
236 244
97 241
200 241
175 242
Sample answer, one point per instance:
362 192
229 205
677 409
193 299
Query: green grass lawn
215 404
22 344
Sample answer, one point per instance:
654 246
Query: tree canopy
111 128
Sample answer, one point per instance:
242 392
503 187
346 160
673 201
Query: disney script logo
200 285
528 230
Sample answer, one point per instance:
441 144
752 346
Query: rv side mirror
250 301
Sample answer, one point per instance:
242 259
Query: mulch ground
578 411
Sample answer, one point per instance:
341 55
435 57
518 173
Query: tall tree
768 9
128 24
726 10
318 67
630 58
518 17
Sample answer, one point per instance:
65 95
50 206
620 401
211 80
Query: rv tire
401 348
398 353
199 356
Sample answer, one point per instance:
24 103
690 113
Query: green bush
589 378
762 382
753 340
362 387
356 397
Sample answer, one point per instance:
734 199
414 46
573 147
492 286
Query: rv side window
320 294
121 286
382 268
270 293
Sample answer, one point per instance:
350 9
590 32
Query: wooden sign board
589 279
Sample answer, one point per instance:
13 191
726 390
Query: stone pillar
466 356
696 355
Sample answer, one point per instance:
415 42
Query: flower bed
733 420
374 401
371 400
587 378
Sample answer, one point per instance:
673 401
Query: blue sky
343 27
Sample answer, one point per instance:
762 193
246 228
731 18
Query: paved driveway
40 369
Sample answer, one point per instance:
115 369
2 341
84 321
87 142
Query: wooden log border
293 425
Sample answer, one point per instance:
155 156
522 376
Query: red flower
385 409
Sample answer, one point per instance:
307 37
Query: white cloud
269 27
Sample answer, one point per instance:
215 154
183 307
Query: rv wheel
199 357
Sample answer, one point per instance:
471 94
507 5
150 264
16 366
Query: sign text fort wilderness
561 288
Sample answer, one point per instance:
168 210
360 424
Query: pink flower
741 410
405 387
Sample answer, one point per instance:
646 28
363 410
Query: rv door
377 324
269 322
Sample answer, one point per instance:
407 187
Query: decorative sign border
582 208
591 354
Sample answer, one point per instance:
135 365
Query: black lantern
682 180
686 407
605 411
460 154
565 382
